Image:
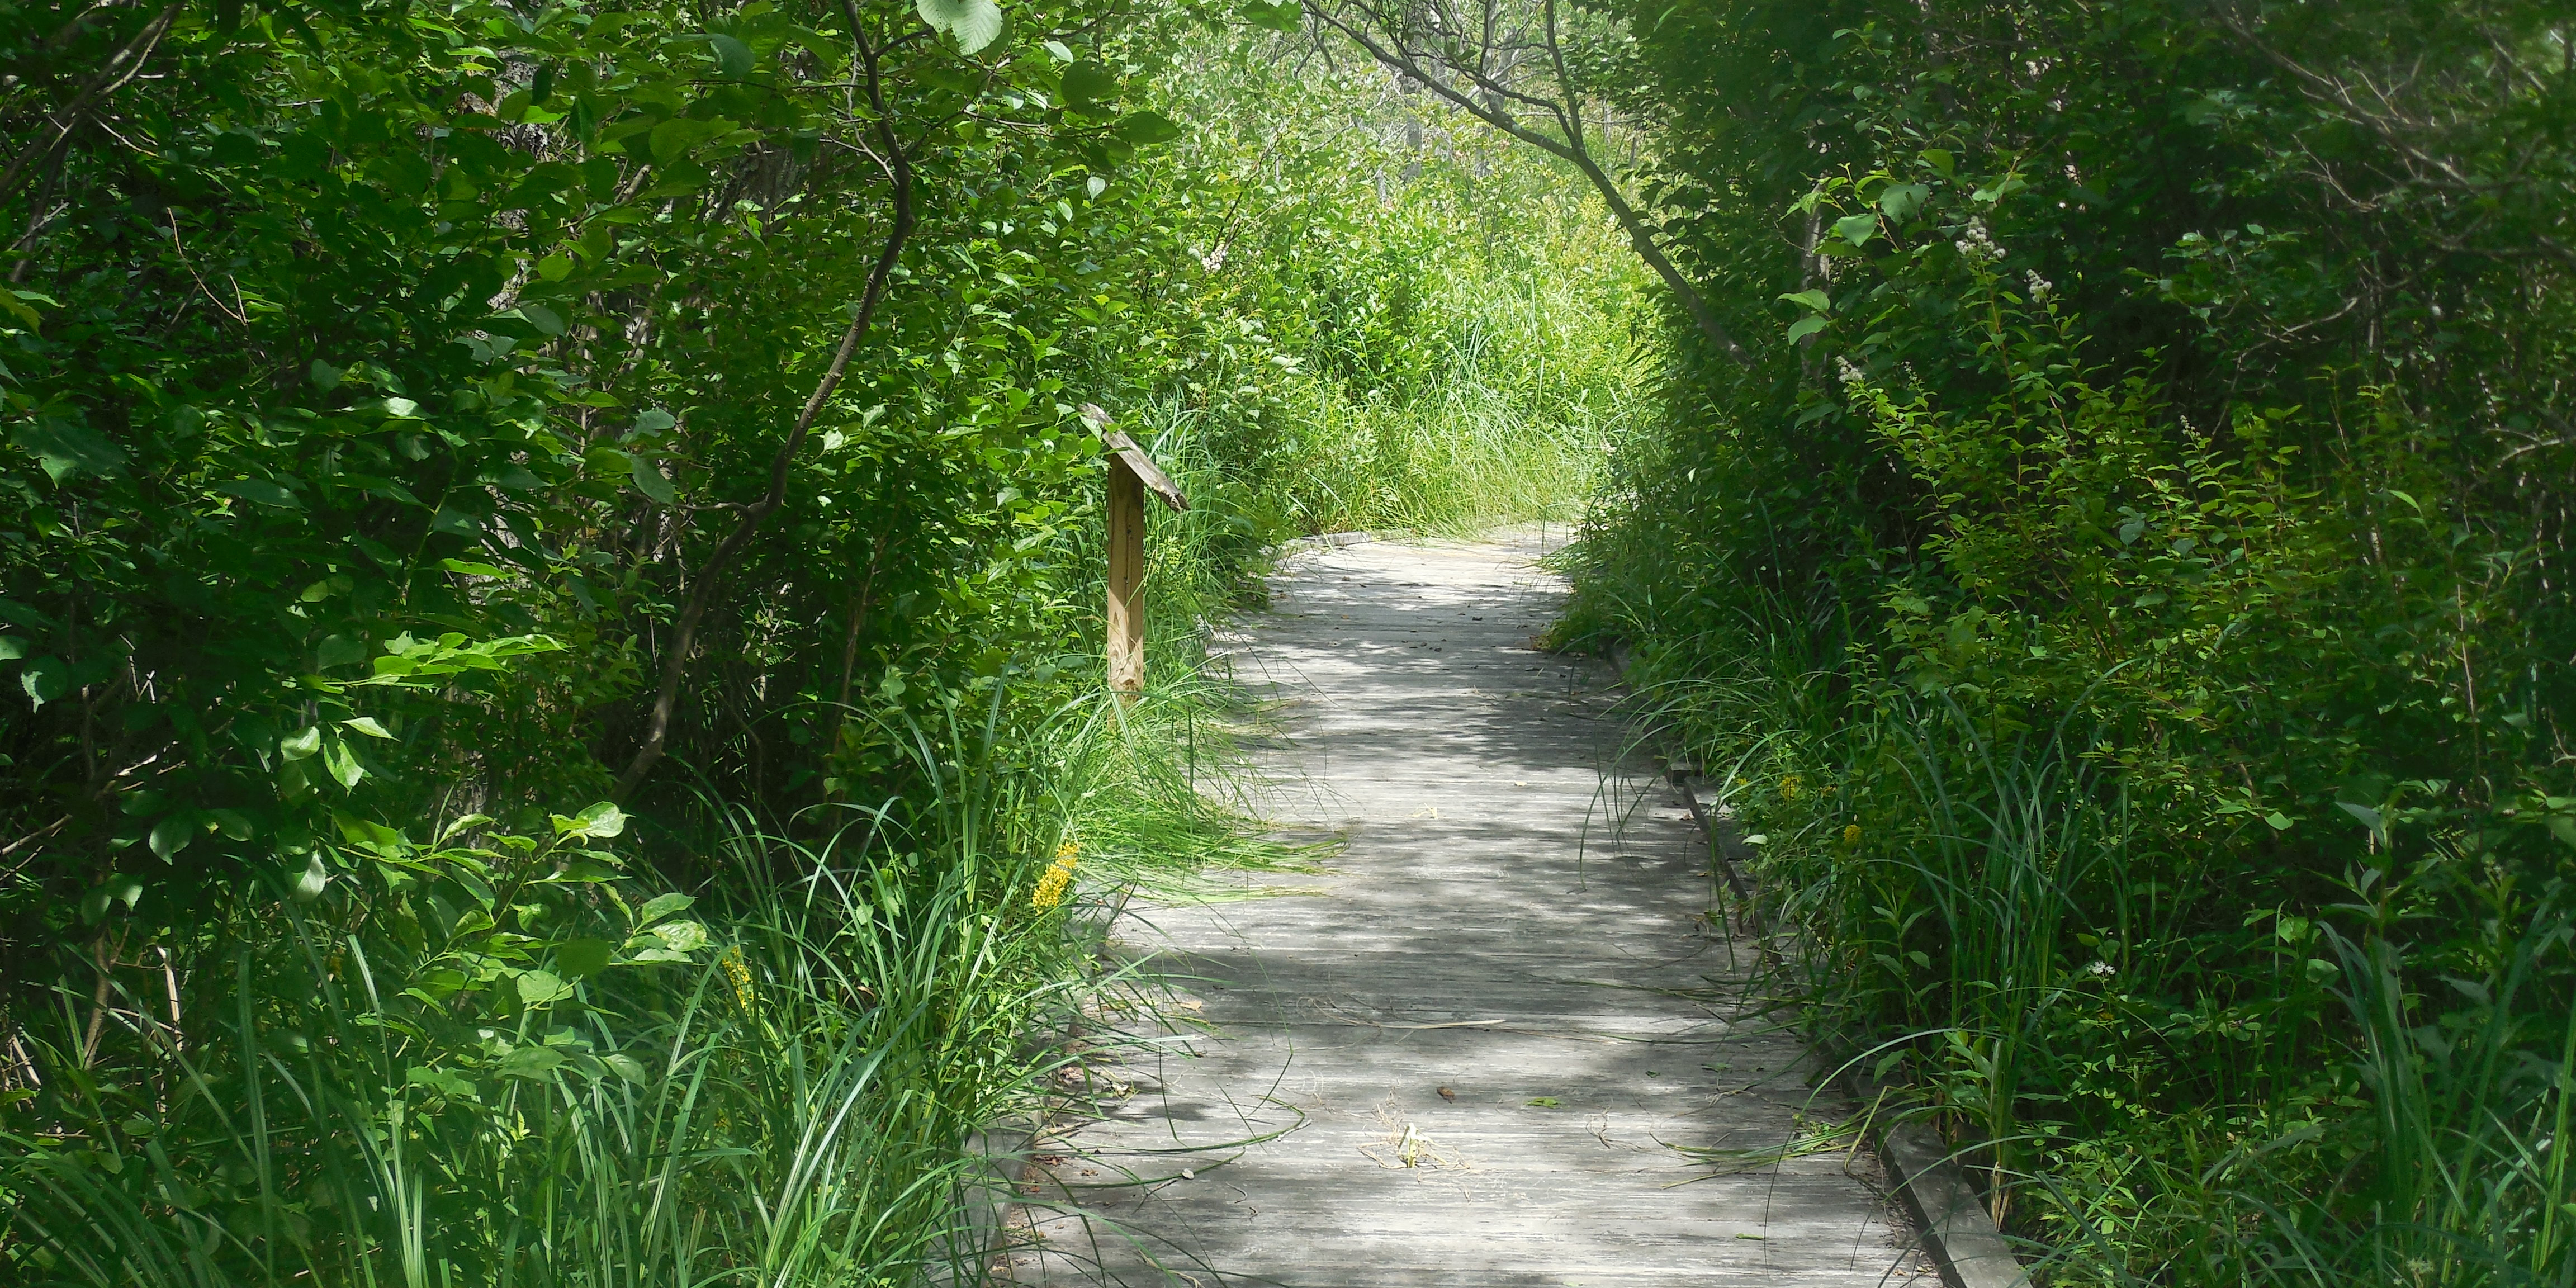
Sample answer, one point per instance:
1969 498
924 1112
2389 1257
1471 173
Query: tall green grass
777 1086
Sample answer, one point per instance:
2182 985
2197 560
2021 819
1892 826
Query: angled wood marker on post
1131 475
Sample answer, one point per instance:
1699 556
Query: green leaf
1090 89
1279 16
602 819
471 569
116 889
649 481
1856 229
674 139
12 647
261 491
65 449
1145 129
538 987
308 887
626 1066
2280 822
733 58
342 764
542 318
1816 301
366 725
974 23
339 650
441 1081
172 834
531 1062
231 823
1901 201
1939 160
301 743
45 679
325 376
1544 1102
582 958
1806 326
663 905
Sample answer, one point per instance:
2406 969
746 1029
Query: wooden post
1131 475
1126 579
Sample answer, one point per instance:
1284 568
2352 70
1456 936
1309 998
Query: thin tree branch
710 581
1395 57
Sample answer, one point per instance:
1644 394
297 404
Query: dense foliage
2126 588
551 586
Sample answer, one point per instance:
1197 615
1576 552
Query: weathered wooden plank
1511 921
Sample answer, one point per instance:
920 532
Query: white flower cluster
1975 244
1853 380
2039 287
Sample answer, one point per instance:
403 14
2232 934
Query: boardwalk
1465 1057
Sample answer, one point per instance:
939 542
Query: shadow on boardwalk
1471 1057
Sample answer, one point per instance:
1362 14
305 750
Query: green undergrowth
496 1059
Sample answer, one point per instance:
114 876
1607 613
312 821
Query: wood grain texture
1479 1049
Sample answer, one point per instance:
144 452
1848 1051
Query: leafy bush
2125 583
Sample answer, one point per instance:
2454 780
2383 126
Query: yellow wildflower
1058 876
1851 833
739 971
1792 787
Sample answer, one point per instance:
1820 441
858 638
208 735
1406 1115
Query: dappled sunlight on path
1477 1051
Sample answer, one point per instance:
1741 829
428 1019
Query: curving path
1476 1051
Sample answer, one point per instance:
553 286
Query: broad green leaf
1145 129
127 890
441 1081
682 936
602 819
663 905
1856 229
301 743
341 762
538 987
1090 89
973 23
1806 326
1901 201
1282 15
1816 301
531 1062
733 58
12 647
310 883
339 650
366 725
64 449
582 958
261 491
626 1066
542 318
1939 160
171 835
649 481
